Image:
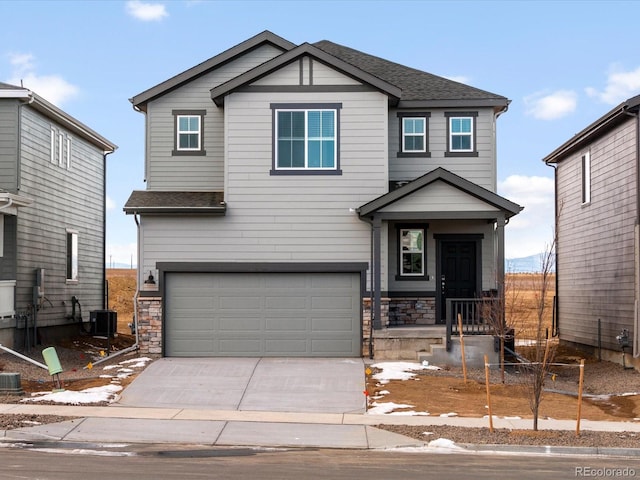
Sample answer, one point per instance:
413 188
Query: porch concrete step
475 348
405 343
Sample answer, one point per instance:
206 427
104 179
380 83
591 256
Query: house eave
219 93
177 211
139 101
605 123
498 104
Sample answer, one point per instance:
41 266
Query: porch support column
500 223
376 308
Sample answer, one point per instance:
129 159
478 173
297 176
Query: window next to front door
412 252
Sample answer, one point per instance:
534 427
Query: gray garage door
262 314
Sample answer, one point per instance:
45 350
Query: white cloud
147 12
125 255
460 79
110 204
531 231
54 88
620 86
551 106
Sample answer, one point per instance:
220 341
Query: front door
458 273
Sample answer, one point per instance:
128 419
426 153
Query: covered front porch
437 251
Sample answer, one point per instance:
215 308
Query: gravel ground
603 378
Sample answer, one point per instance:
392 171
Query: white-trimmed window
60 148
412 258
414 134
306 139
54 136
461 134
72 256
586 178
189 132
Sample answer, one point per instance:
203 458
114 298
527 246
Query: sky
563 64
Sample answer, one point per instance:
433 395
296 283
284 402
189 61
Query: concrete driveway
321 385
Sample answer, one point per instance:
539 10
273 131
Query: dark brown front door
458 273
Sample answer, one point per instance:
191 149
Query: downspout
555 328
135 346
105 301
372 313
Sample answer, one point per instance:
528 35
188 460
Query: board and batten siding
290 218
63 199
167 172
595 247
481 170
9 125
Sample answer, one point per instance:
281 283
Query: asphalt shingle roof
415 84
174 201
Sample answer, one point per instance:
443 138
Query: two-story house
52 219
597 234
301 197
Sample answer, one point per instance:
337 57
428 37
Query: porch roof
175 203
496 205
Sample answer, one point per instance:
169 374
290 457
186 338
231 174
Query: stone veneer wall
150 325
412 311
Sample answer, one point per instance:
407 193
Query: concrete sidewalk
269 429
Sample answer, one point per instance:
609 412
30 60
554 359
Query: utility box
103 322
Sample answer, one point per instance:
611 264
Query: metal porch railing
479 316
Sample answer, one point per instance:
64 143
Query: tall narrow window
586 178
412 252
60 149
53 146
68 153
72 256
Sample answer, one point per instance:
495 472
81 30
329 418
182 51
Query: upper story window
586 178
461 133
60 148
414 134
189 133
306 139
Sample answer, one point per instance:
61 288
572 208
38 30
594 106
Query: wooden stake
464 361
486 376
580 385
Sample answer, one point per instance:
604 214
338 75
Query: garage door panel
262 314
240 325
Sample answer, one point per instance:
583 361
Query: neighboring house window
461 133
412 257
72 256
60 149
306 139
586 178
189 132
414 131
1 235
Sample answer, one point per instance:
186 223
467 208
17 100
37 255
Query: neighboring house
295 191
52 218
597 237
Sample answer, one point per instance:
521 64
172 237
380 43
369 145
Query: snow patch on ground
398 370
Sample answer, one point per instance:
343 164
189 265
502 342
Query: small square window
189 132
461 133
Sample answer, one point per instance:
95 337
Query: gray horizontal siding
167 172
63 199
9 122
596 241
480 170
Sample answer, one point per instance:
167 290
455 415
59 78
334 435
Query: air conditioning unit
103 322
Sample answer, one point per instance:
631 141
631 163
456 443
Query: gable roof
605 123
139 101
218 93
440 174
56 114
419 89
